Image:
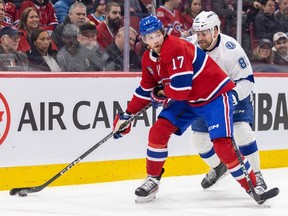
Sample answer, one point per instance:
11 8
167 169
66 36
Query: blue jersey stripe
182 81
141 93
200 58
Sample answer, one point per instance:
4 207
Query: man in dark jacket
10 59
116 51
77 16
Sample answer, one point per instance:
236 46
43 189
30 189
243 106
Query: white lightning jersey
231 57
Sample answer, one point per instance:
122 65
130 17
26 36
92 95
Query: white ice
177 196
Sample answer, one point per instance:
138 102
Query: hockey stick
259 198
23 191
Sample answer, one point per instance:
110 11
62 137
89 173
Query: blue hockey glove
118 124
158 98
235 98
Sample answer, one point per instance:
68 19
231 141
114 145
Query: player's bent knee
161 131
243 133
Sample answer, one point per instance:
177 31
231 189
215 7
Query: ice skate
214 175
147 191
260 180
258 190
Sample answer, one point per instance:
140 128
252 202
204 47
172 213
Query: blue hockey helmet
150 24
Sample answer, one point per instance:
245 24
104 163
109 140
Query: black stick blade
21 191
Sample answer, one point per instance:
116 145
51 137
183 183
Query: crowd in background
88 35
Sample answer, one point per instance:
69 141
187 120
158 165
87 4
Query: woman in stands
42 57
29 21
263 52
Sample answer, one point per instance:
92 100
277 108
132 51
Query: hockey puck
22 194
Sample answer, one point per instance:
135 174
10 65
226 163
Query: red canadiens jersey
11 13
94 19
104 35
47 16
150 79
188 73
170 20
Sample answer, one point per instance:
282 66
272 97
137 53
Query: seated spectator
265 24
77 15
170 17
88 39
137 8
263 52
188 16
281 15
99 7
45 10
116 51
10 59
28 22
2 15
11 12
74 57
226 10
61 8
280 41
109 28
41 56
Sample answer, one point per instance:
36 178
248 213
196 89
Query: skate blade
149 198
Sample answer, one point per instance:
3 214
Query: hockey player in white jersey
228 53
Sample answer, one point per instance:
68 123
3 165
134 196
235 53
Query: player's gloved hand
118 125
158 98
235 98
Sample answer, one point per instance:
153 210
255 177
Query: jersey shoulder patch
230 45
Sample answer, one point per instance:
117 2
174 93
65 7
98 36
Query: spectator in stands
281 15
77 16
263 52
226 10
74 57
280 41
170 17
45 10
116 51
137 8
9 57
109 28
88 39
61 8
11 12
42 57
99 7
188 16
2 15
249 12
265 24
29 21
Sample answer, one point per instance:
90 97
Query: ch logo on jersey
5 118
230 45
177 26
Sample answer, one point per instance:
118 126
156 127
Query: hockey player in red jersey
176 69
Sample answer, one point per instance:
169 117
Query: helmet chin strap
213 40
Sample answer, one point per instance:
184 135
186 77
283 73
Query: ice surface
179 196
